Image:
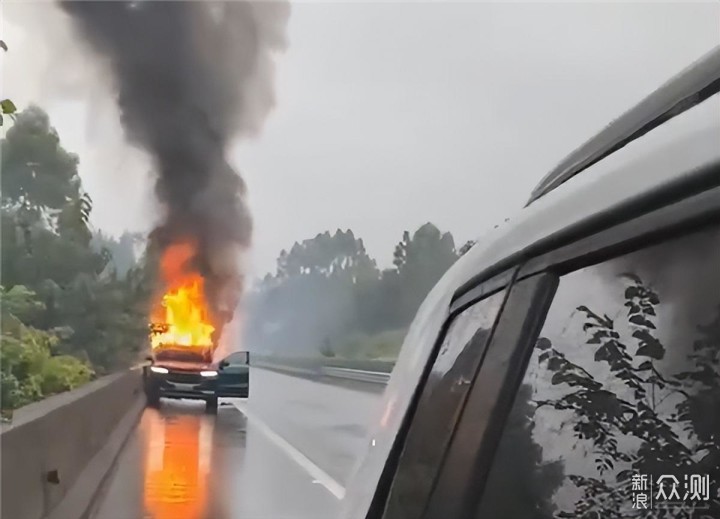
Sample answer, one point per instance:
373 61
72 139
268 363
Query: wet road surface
327 423
283 454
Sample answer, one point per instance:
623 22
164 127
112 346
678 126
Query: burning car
181 373
190 373
184 335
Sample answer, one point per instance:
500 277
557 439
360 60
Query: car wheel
211 405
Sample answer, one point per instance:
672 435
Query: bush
384 345
63 373
28 369
326 349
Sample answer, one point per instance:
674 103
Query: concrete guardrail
56 453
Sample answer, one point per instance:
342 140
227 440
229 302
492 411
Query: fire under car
190 373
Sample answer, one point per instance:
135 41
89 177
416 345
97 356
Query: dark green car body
234 375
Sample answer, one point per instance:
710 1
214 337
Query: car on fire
190 373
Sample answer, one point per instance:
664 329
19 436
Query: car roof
642 152
606 188
673 153
685 90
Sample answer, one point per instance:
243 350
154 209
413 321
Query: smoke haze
189 77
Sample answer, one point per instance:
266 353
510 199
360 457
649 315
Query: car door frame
223 389
489 287
462 478
658 215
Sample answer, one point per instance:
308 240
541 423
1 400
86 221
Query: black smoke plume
189 77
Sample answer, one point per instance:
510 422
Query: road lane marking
317 474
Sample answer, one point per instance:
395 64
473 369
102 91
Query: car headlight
208 374
158 369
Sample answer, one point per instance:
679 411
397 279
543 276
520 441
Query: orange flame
181 317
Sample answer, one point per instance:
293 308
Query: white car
568 364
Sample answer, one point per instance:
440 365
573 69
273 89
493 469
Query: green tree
20 303
327 254
73 220
109 319
50 256
39 175
312 297
420 261
122 249
41 189
47 246
328 294
7 107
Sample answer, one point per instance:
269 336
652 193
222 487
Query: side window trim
467 461
653 226
683 217
656 200
488 287
691 221
482 291
689 214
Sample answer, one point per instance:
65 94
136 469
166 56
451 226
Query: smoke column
189 77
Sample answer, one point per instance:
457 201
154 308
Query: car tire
211 405
150 387
152 398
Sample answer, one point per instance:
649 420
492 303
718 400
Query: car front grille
184 378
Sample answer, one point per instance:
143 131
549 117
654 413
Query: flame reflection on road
177 464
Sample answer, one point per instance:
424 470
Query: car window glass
617 414
440 405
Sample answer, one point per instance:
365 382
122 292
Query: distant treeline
329 297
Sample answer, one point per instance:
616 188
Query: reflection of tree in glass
521 485
639 420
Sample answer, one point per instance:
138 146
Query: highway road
285 453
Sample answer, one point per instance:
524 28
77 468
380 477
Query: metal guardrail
313 368
375 377
283 366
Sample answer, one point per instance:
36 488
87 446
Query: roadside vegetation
73 298
329 299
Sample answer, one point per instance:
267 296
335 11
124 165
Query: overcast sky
390 115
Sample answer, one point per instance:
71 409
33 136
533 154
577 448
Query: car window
617 413
239 357
440 405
